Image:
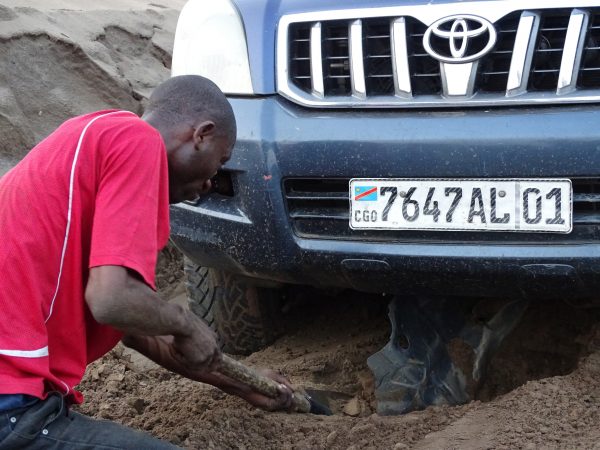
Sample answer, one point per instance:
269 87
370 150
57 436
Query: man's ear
203 130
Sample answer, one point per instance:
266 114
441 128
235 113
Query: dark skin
166 333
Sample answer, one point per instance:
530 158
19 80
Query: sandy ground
543 391
59 58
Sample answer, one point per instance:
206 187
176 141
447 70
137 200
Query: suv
409 147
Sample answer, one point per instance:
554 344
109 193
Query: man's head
198 126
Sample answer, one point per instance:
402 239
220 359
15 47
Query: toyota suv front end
407 147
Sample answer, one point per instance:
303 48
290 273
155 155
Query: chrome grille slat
357 69
316 60
359 58
400 68
518 74
591 198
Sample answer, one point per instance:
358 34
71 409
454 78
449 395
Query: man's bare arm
118 299
156 348
168 334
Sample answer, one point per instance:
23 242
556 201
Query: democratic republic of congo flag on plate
365 194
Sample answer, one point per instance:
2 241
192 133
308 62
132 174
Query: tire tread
245 317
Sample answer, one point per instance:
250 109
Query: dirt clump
169 272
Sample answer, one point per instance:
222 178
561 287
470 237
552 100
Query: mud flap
415 370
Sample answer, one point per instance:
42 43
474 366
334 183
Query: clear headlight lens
210 41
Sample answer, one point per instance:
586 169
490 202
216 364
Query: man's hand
198 350
161 350
117 298
282 402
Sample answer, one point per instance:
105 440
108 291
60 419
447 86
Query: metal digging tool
301 402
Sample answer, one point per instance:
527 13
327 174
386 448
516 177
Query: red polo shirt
93 193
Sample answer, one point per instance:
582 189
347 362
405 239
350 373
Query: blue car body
272 234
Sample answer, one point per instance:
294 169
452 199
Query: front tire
245 317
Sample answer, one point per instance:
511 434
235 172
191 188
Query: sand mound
60 59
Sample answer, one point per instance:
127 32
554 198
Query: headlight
210 41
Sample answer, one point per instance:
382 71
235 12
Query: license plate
540 205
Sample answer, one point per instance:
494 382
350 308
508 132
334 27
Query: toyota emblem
459 39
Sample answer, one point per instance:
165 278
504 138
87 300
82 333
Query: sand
543 393
60 59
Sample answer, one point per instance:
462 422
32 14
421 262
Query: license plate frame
517 197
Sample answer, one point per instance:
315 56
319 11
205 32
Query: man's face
195 163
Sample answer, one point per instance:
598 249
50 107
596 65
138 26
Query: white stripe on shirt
70 206
39 353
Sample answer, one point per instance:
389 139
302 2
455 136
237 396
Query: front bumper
254 233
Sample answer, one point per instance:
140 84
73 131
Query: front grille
495 66
548 52
589 71
424 71
319 208
540 55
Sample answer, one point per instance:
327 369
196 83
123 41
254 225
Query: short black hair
189 98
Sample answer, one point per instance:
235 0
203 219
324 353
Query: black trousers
48 424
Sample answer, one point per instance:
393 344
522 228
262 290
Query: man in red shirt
82 218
